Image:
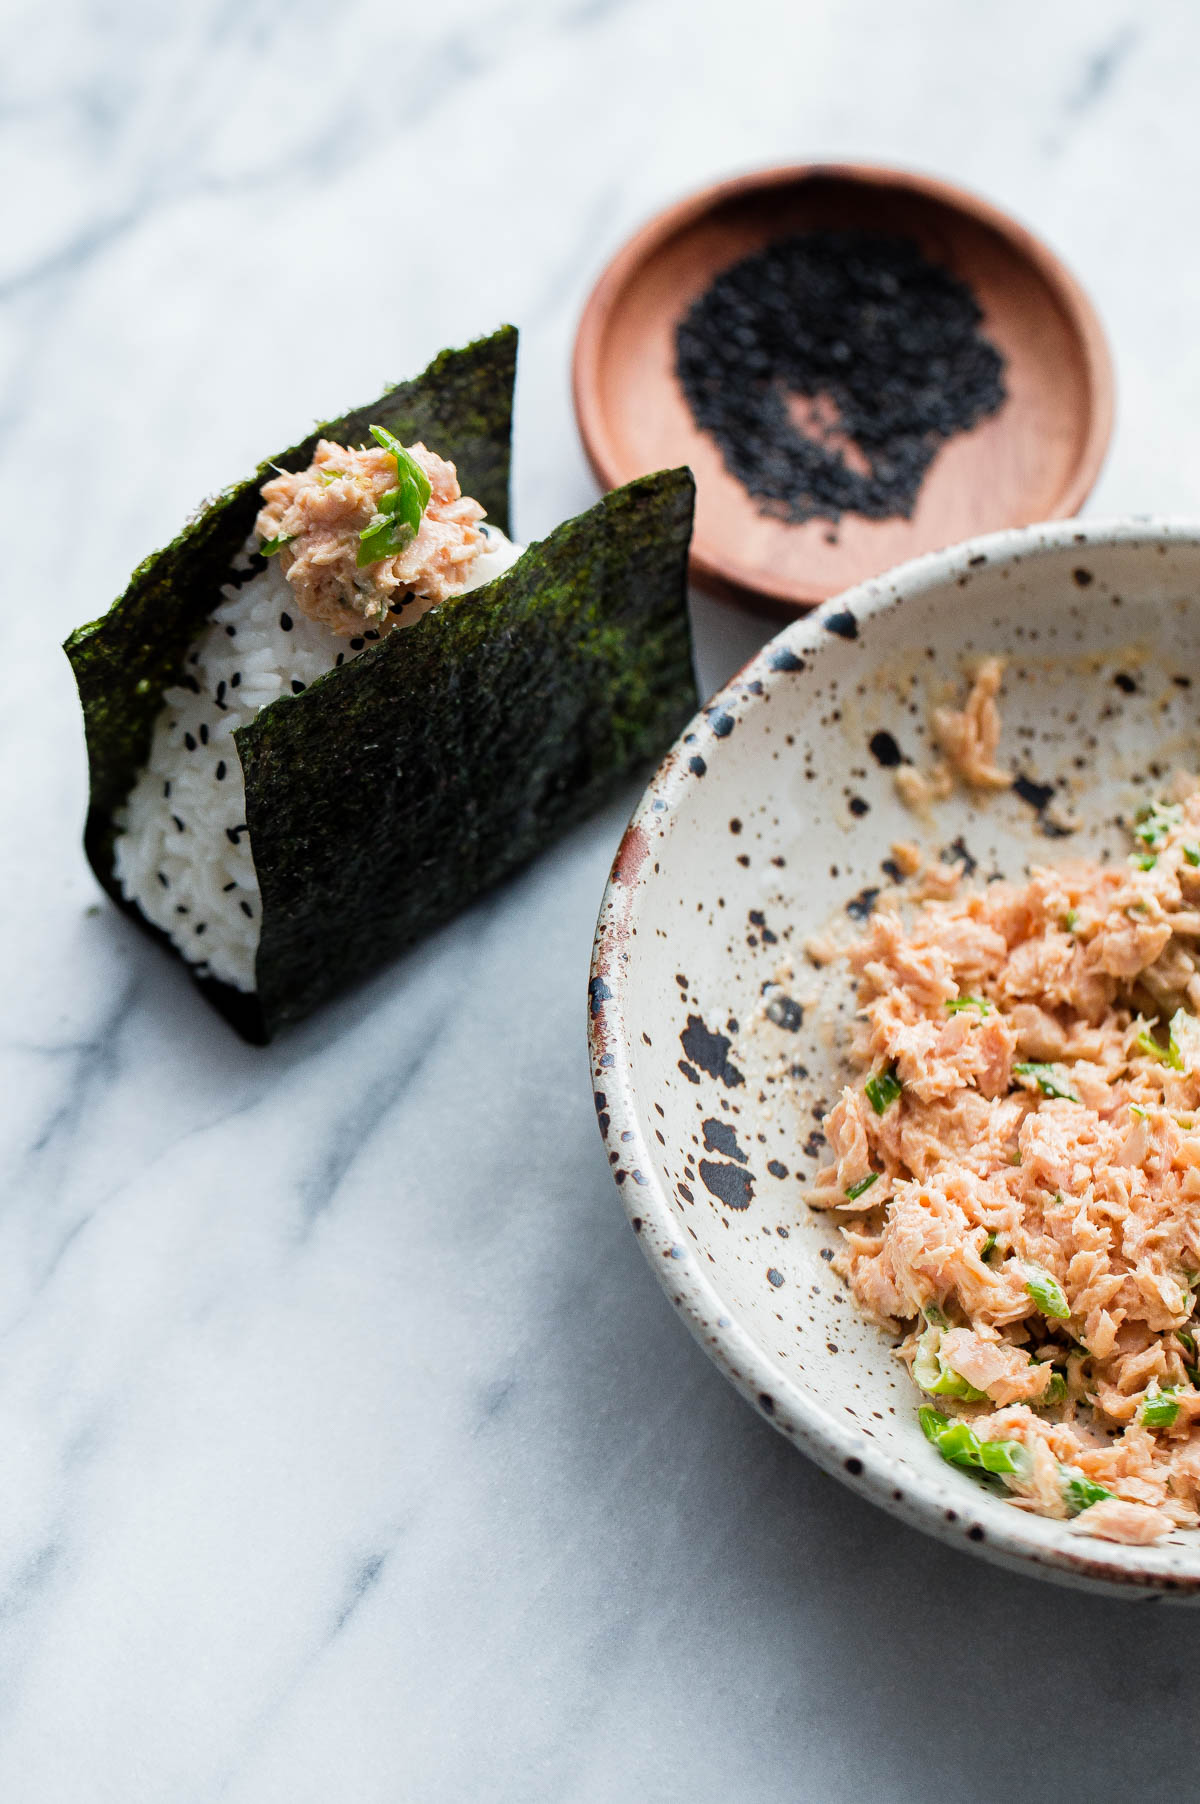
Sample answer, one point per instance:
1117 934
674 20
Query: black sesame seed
190 742
246 910
226 887
235 679
357 644
178 822
221 690
221 771
297 686
167 790
200 926
203 734
164 879
341 659
883 346
232 631
285 621
181 908
370 635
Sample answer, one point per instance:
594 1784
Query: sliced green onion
932 1422
1146 861
269 547
1136 1108
961 1002
934 1316
856 1190
1006 1456
328 477
958 1443
1080 1492
397 519
935 1377
1071 920
1188 1338
882 1089
1153 822
988 1247
1159 1409
1168 1055
1047 1083
1055 1392
1191 853
1047 1293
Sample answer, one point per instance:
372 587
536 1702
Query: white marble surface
348 1450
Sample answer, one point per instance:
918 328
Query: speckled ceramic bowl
773 818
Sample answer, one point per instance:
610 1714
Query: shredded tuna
321 513
970 736
1027 1123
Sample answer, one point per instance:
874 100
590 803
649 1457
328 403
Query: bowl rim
722 574
846 1453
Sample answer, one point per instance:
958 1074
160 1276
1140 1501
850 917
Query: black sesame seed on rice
221 770
163 879
882 345
189 741
181 908
285 621
370 634
298 687
203 734
232 631
221 690
201 926
167 790
341 659
235 679
226 887
357 644
178 822
246 910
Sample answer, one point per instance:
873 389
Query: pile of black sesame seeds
882 345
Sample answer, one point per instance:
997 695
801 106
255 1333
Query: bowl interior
1034 460
717 1044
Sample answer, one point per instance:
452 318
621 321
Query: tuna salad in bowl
895 1019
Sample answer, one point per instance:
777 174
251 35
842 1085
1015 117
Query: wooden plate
1036 459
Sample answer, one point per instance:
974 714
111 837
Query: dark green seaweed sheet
393 791
396 789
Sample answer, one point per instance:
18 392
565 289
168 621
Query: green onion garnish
1071 919
1047 1083
882 1089
1168 1055
1192 853
1153 822
1047 1293
935 1377
962 1002
397 519
988 1247
856 1190
1146 861
1080 1492
269 547
958 1443
1055 1392
1135 1108
1188 1338
1159 1409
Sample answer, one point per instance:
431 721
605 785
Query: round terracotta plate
1036 459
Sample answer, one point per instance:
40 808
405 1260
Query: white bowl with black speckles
766 820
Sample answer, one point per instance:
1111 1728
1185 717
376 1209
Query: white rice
182 851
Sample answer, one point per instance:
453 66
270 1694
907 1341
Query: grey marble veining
348 1451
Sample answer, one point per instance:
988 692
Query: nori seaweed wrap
390 791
